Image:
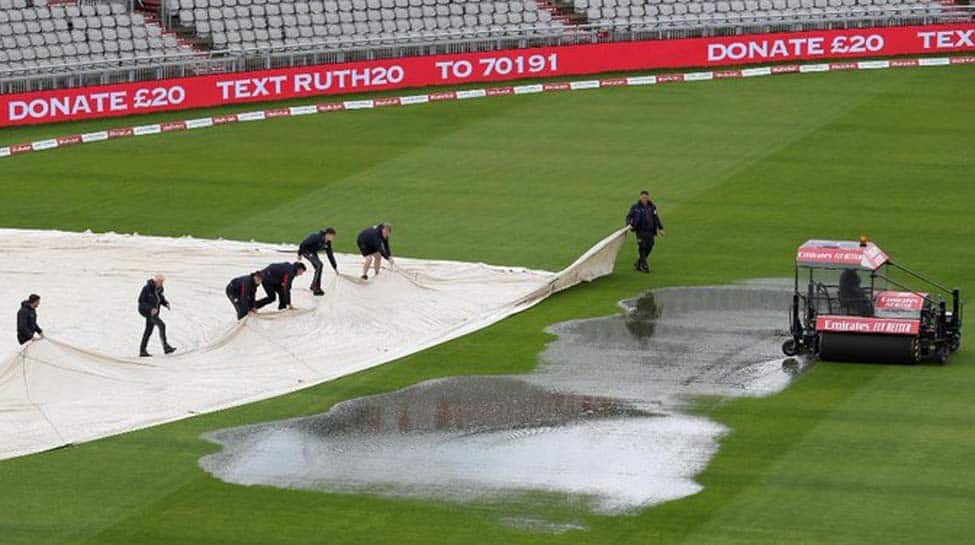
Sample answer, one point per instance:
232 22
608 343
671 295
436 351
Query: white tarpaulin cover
84 381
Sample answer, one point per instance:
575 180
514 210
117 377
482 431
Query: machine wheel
941 356
790 348
954 343
916 348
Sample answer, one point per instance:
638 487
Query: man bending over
277 283
373 243
309 248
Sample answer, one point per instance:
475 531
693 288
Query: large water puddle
604 421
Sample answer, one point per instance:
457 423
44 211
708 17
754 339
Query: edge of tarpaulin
513 308
279 247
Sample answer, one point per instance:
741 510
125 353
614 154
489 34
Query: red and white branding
841 254
830 256
727 74
500 91
336 107
436 97
558 86
893 304
900 300
949 40
856 324
546 62
874 256
173 126
668 78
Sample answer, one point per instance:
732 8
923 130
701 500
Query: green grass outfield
743 171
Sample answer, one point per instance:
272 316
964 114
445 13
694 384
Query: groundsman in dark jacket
309 248
644 219
373 244
151 299
242 292
277 283
27 319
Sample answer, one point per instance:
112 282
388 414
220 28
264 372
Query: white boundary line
438 96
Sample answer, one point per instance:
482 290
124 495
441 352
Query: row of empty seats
49 34
659 13
38 36
272 23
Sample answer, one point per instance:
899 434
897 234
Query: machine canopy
841 254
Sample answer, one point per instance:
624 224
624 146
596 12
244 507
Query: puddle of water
541 526
602 420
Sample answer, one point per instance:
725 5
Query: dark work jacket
26 322
372 238
243 290
281 275
644 219
150 298
315 243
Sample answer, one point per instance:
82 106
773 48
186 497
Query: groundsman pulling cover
83 381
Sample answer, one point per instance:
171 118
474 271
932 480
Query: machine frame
848 320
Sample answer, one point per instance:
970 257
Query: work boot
644 267
144 354
169 349
318 293
638 265
365 277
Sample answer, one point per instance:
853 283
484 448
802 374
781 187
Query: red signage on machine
856 324
830 256
841 253
456 69
899 301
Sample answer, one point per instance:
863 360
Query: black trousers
273 291
312 257
153 322
238 308
645 245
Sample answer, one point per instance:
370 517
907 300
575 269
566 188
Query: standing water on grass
603 420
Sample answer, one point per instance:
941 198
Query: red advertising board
900 301
855 324
841 253
407 72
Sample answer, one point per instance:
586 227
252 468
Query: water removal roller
875 348
847 307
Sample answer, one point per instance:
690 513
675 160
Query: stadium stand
662 13
272 23
65 43
34 35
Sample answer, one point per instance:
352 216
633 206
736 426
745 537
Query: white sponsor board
44 144
94 136
199 123
146 129
472 93
251 116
